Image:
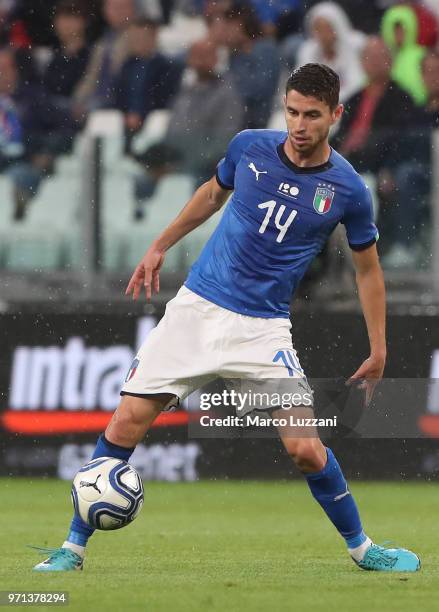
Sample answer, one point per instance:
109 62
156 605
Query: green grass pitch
225 546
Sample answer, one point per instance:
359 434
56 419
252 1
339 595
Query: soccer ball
107 493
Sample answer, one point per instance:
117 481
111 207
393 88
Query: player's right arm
207 200
204 203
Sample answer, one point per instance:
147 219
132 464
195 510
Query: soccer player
231 317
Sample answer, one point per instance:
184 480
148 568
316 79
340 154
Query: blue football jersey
279 217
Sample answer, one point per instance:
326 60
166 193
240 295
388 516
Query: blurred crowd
219 67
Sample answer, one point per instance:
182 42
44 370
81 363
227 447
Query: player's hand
146 274
369 374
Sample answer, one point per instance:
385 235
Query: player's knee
127 414
132 419
308 454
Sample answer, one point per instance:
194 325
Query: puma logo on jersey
257 172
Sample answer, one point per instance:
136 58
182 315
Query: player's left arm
371 289
362 235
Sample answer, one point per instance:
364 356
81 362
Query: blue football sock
79 530
104 448
330 489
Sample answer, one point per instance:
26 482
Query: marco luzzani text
260 401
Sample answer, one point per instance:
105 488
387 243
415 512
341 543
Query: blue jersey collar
301 169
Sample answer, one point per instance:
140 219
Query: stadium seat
33 250
117 214
371 182
125 240
191 248
37 241
179 35
117 202
277 120
70 163
72 252
192 245
55 205
171 195
6 214
108 126
162 210
114 247
105 122
139 239
153 130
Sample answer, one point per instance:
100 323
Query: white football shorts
197 341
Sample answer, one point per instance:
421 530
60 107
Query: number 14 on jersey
282 227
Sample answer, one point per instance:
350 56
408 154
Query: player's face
430 73
8 73
376 60
324 32
118 13
142 41
203 58
69 27
308 121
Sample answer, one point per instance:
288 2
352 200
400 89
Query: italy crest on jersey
132 370
323 199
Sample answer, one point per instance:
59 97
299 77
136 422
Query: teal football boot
380 559
59 560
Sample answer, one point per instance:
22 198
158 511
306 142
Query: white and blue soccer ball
107 493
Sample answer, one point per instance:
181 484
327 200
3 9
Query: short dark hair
318 81
247 17
72 8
